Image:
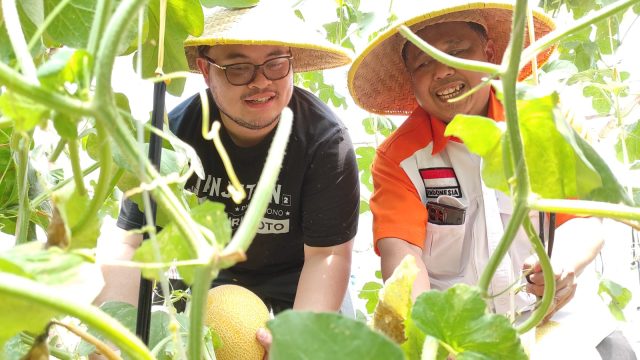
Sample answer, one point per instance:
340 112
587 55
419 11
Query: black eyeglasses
244 73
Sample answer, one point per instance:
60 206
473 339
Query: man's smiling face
435 83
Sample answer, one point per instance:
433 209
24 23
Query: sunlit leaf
209 215
378 125
25 113
600 99
395 300
320 334
364 207
560 163
617 297
369 292
229 3
73 208
631 135
413 346
65 272
459 318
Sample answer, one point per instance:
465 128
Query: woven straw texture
267 23
378 80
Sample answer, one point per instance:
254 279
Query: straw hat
268 23
378 80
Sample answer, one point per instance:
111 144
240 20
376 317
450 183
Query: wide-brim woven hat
378 80
268 23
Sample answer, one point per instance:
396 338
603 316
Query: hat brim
378 80
267 25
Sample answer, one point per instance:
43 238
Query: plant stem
556 35
46 97
103 10
199 290
105 112
103 348
18 42
245 233
519 213
23 141
473 65
585 207
25 290
549 280
516 147
74 157
103 187
57 353
43 196
262 194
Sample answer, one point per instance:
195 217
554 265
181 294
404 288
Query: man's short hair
202 49
477 28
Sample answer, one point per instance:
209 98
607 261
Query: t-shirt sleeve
130 216
395 204
331 193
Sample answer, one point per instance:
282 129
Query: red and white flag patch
440 181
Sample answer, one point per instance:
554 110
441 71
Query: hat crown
267 23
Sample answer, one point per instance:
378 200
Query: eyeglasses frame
255 68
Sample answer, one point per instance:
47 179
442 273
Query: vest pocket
442 252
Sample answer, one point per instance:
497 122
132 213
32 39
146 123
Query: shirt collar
437 126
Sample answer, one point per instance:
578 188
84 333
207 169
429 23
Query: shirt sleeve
395 204
331 193
130 216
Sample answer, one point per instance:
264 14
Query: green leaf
73 208
231 4
66 272
183 18
370 292
66 66
72 26
378 125
559 70
364 158
319 334
458 317
484 137
413 346
6 50
617 297
8 187
607 35
631 135
364 206
25 113
66 126
561 165
209 215
600 101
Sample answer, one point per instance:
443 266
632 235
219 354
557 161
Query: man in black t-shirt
301 256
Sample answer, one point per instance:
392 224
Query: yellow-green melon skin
235 314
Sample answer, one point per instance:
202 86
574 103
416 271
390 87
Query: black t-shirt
315 201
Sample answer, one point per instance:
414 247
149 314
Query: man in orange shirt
419 174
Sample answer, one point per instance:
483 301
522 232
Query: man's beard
248 125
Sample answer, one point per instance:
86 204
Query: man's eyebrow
242 56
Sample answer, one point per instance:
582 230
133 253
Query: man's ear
490 51
203 65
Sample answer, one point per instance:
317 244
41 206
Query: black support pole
155 151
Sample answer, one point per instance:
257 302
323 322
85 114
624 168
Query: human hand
265 339
565 284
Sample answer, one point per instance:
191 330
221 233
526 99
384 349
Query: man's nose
260 81
442 71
